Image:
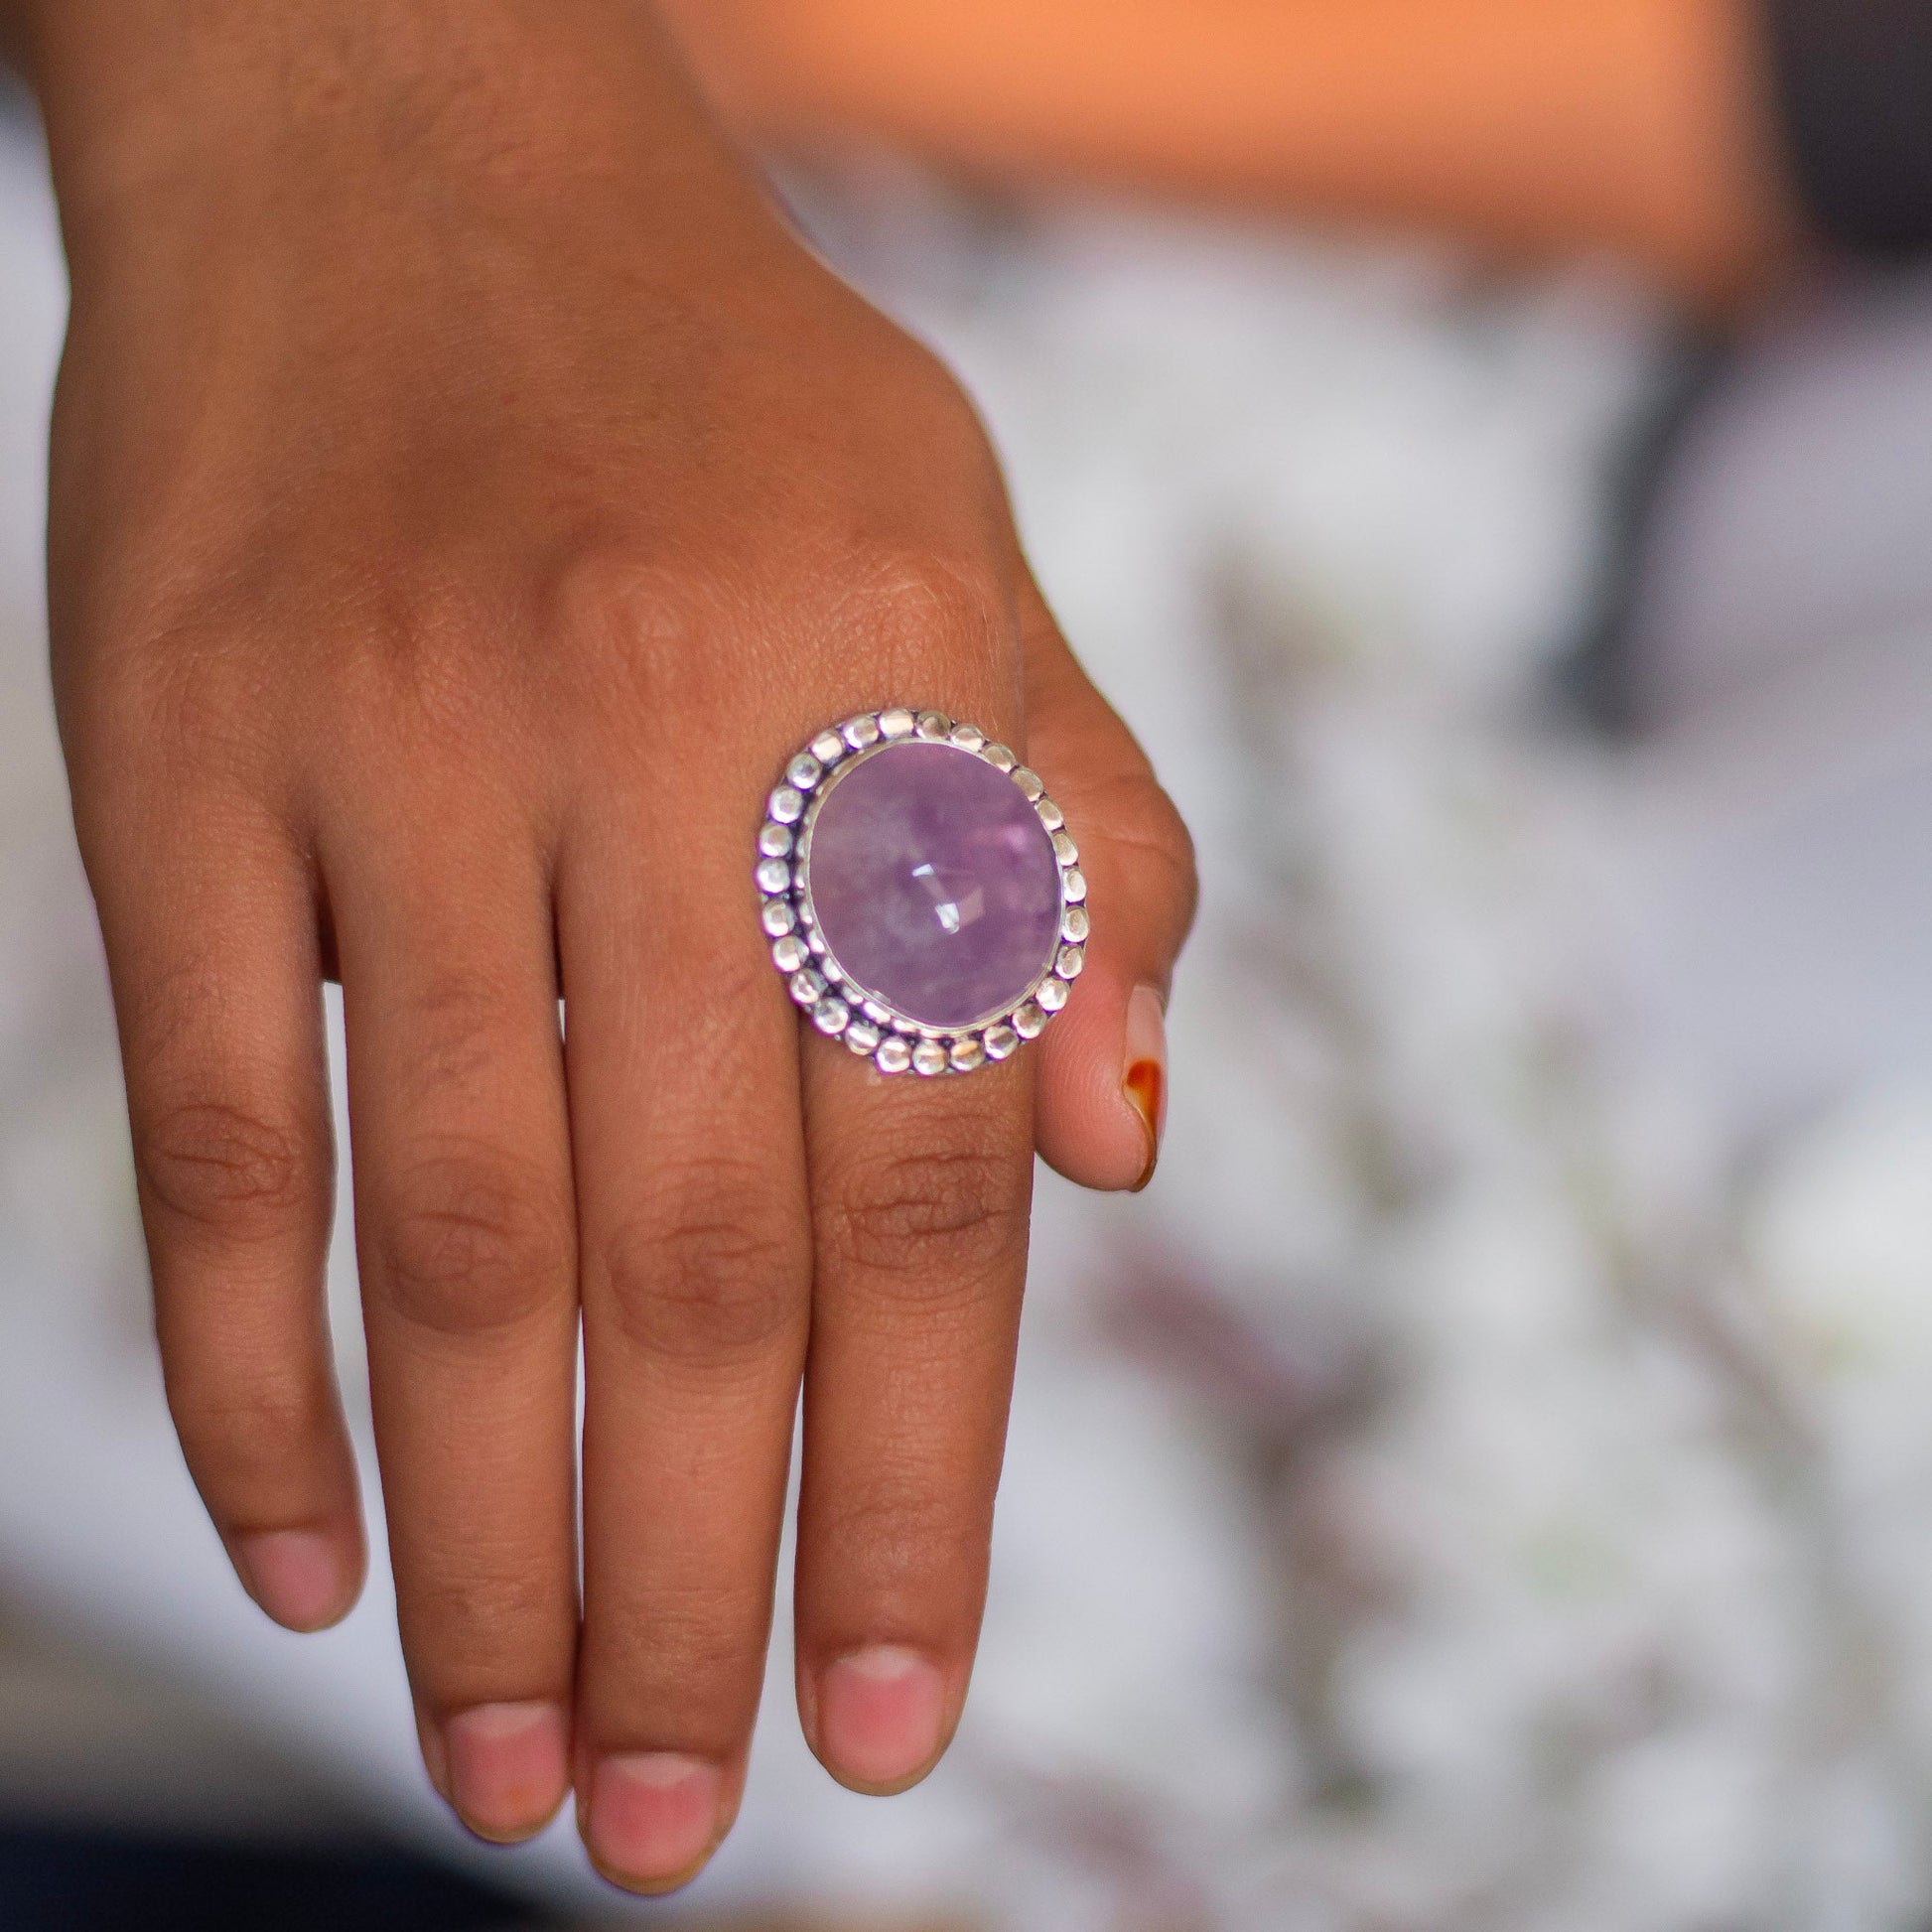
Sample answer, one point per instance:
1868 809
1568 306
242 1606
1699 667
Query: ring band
920 892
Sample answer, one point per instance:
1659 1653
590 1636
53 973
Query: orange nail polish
1145 1083
506 1767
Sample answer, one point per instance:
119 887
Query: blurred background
1487 1481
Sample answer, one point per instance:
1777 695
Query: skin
465 494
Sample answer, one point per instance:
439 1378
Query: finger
921 1194
696 1277
208 910
1103 1063
465 1231
921 1190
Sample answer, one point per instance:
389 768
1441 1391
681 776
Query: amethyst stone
934 883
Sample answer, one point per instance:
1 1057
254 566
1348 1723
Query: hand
466 495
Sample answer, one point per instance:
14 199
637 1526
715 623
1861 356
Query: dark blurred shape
1598 678
128 1799
61 1879
1854 78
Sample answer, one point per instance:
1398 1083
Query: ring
921 894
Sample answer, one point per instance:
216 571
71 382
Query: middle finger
696 1279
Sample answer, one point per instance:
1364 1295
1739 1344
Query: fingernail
296 1575
1145 1080
653 1817
508 1767
882 1713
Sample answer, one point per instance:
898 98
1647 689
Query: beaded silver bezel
835 1003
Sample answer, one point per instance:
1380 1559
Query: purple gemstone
934 883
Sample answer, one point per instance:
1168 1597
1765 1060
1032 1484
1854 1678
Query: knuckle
1136 816
436 678
645 621
900 1529
612 586
489 1600
235 1172
182 696
471 1242
693 1639
247 1434
457 1023
919 594
707 1273
945 1218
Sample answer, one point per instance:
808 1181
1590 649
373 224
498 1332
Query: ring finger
696 1285
464 1233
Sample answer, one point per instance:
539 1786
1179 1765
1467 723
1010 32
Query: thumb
1102 1069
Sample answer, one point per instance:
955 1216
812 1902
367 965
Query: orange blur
1632 126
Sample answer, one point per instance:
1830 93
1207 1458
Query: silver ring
838 1001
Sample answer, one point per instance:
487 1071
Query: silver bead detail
841 1009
